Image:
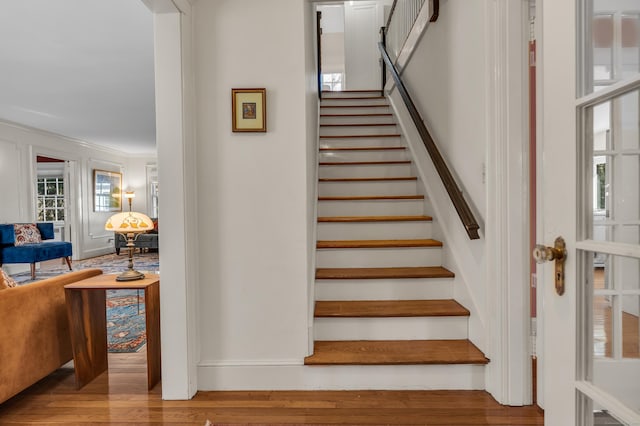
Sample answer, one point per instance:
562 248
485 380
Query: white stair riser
371 170
372 155
342 377
340 102
361 119
379 257
385 289
410 328
356 110
359 142
365 208
363 94
367 188
357 130
373 230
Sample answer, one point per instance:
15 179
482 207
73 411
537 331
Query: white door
589 66
362 22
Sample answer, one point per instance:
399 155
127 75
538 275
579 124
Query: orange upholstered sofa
34 331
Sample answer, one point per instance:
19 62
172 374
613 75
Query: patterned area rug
125 308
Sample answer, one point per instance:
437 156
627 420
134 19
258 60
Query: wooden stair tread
380 114
353 91
389 308
332 244
362 163
351 98
368 179
356 106
420 218
395 352
365 148
383 273
372 198
359 125
391 135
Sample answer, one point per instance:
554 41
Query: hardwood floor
120 397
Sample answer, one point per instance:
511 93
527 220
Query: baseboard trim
299 377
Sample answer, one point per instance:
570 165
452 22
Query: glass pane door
608 376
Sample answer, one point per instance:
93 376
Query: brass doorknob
558 253
543 253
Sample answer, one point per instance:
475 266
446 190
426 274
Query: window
50 200
332 81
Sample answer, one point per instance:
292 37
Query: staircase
382 297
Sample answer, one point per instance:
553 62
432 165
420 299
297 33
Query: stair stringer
465 257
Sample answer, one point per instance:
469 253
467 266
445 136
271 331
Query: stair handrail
455 194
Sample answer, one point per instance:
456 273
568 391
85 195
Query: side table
87 313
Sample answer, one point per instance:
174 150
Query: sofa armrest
46 230
34 337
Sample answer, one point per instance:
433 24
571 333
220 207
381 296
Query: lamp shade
129 194
129 222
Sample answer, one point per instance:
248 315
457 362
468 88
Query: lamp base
130 275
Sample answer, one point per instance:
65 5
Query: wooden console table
87 313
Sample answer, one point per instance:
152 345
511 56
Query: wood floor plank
395 352
419 218
382 273
334 244
389 308
121 397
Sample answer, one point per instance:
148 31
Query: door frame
509 377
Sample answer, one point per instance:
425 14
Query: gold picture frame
249 110
107 191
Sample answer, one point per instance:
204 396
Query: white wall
446 78
453 101
253 188
19 147
332 38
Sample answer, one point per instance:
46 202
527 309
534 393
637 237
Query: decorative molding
78 142
509 375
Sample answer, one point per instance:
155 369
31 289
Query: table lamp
129 195
129 224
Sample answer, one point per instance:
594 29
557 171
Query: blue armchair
35 252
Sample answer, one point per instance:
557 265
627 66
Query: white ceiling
80 68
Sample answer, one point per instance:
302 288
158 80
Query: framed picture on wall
107 191
249 110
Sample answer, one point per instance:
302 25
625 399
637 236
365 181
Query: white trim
250 362
618 249
346 377
611 403
507 253
609 92
79 142
175 137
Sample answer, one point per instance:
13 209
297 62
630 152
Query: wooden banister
461 206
